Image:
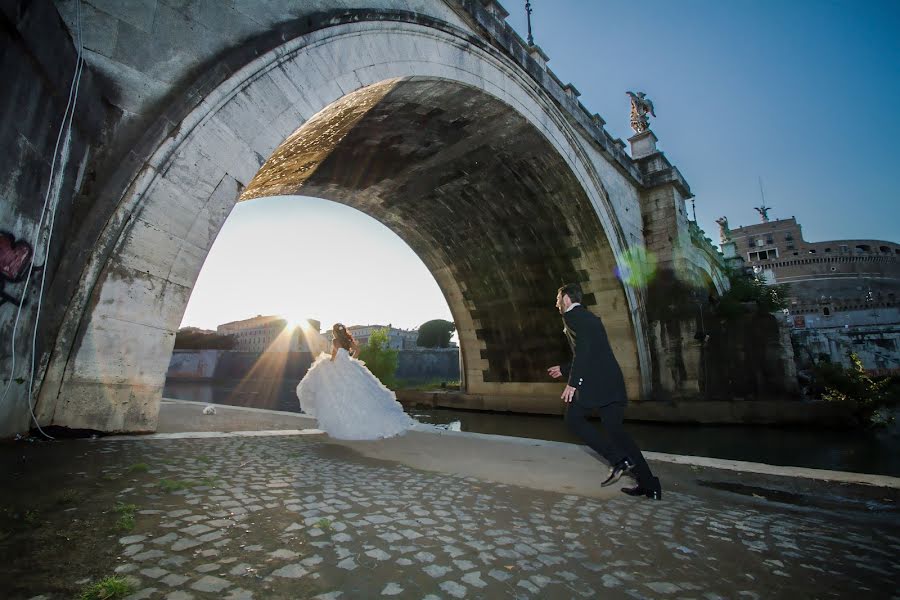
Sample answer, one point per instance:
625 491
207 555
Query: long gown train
349 402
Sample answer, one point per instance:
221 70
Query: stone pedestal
729 249
538 55
643 144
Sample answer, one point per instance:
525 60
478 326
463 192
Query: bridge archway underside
480 196
447 142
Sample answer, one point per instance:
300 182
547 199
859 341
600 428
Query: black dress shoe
652 493
615 473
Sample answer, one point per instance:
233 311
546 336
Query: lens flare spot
637 267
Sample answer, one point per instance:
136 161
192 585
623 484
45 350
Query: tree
747 290
190 339
435 334
854 385
380 358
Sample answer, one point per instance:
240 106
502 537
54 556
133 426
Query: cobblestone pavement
298 517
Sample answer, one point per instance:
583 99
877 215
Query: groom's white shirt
571 306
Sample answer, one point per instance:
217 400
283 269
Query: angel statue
763 212
724 231
640 108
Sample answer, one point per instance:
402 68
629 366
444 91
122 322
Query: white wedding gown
349 402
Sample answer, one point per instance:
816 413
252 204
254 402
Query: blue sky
279 256
805 95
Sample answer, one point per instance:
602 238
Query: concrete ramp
535 464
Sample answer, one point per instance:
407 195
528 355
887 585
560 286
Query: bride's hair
344 338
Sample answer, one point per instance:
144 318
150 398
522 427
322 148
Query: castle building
848 287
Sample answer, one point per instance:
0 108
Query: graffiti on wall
15 258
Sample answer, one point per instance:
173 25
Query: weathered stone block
109 407
227 150
148 249
99 28
211 218
143 299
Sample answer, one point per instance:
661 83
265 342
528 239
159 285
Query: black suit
595 374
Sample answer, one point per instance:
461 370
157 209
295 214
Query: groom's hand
568 394
554 372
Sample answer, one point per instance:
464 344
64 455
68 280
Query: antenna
763 210
528 14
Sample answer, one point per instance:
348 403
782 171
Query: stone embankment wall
227 365
710 412
702 357
426 365
878 347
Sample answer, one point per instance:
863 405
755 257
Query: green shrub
854 385
435 333
109 588
126 512
380 358
749 290
169 485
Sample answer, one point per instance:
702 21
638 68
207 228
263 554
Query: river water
857 451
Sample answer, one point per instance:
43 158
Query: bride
345 397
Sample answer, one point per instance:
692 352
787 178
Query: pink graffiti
14 257
14 260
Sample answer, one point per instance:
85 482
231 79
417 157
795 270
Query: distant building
273 334
844 294
398 339
190 329
832 283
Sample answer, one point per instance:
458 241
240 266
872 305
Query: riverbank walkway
259 504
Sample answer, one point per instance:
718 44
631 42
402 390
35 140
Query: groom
595 382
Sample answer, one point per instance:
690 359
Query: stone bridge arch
439 126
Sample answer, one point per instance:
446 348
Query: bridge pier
697 354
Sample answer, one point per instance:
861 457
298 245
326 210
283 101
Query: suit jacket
594 371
